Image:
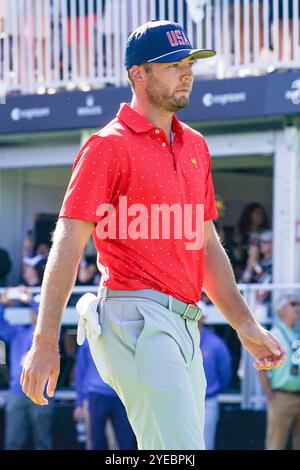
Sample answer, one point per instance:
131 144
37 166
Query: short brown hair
131 82
147 66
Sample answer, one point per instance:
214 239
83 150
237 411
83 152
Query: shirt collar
139 124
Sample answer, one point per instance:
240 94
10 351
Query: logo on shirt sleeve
194 162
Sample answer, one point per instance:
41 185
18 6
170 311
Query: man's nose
187 73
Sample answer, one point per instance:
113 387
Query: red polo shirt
133 159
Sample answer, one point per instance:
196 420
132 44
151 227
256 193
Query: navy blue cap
161 41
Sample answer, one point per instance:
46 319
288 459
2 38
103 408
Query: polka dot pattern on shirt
131 157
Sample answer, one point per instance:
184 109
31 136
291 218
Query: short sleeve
210 209
96 179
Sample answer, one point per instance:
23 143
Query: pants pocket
100 311
194 338
132 325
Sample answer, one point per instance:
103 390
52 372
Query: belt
294 392
184 309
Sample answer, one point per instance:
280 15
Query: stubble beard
160 96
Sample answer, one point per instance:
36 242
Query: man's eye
173 66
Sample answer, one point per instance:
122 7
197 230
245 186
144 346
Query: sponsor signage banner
61 111
276 94
211 100
226 99
283 94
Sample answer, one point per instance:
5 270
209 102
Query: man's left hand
265 347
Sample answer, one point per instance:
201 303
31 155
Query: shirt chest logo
194 162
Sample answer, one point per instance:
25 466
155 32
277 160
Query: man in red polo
139 166
143 187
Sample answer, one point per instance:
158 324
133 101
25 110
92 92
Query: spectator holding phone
252 222
21 413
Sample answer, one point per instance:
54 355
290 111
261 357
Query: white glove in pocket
88 324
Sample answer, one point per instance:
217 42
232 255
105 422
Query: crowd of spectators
21 414
250 247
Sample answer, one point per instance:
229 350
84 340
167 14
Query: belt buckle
196 317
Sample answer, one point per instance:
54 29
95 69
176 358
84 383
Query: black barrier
237 429
235 98
64 428
240 429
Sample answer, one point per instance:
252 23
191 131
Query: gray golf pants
151 357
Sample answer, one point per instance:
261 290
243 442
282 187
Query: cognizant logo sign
209 99
34 113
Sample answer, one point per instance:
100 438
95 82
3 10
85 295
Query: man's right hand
42 364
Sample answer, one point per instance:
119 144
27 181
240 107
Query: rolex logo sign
90 108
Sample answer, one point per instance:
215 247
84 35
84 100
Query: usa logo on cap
161 41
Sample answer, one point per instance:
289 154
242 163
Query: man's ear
137 73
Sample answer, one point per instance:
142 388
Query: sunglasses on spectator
294 303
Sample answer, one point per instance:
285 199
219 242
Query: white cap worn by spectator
34 260
266 236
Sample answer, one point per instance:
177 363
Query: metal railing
47 45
